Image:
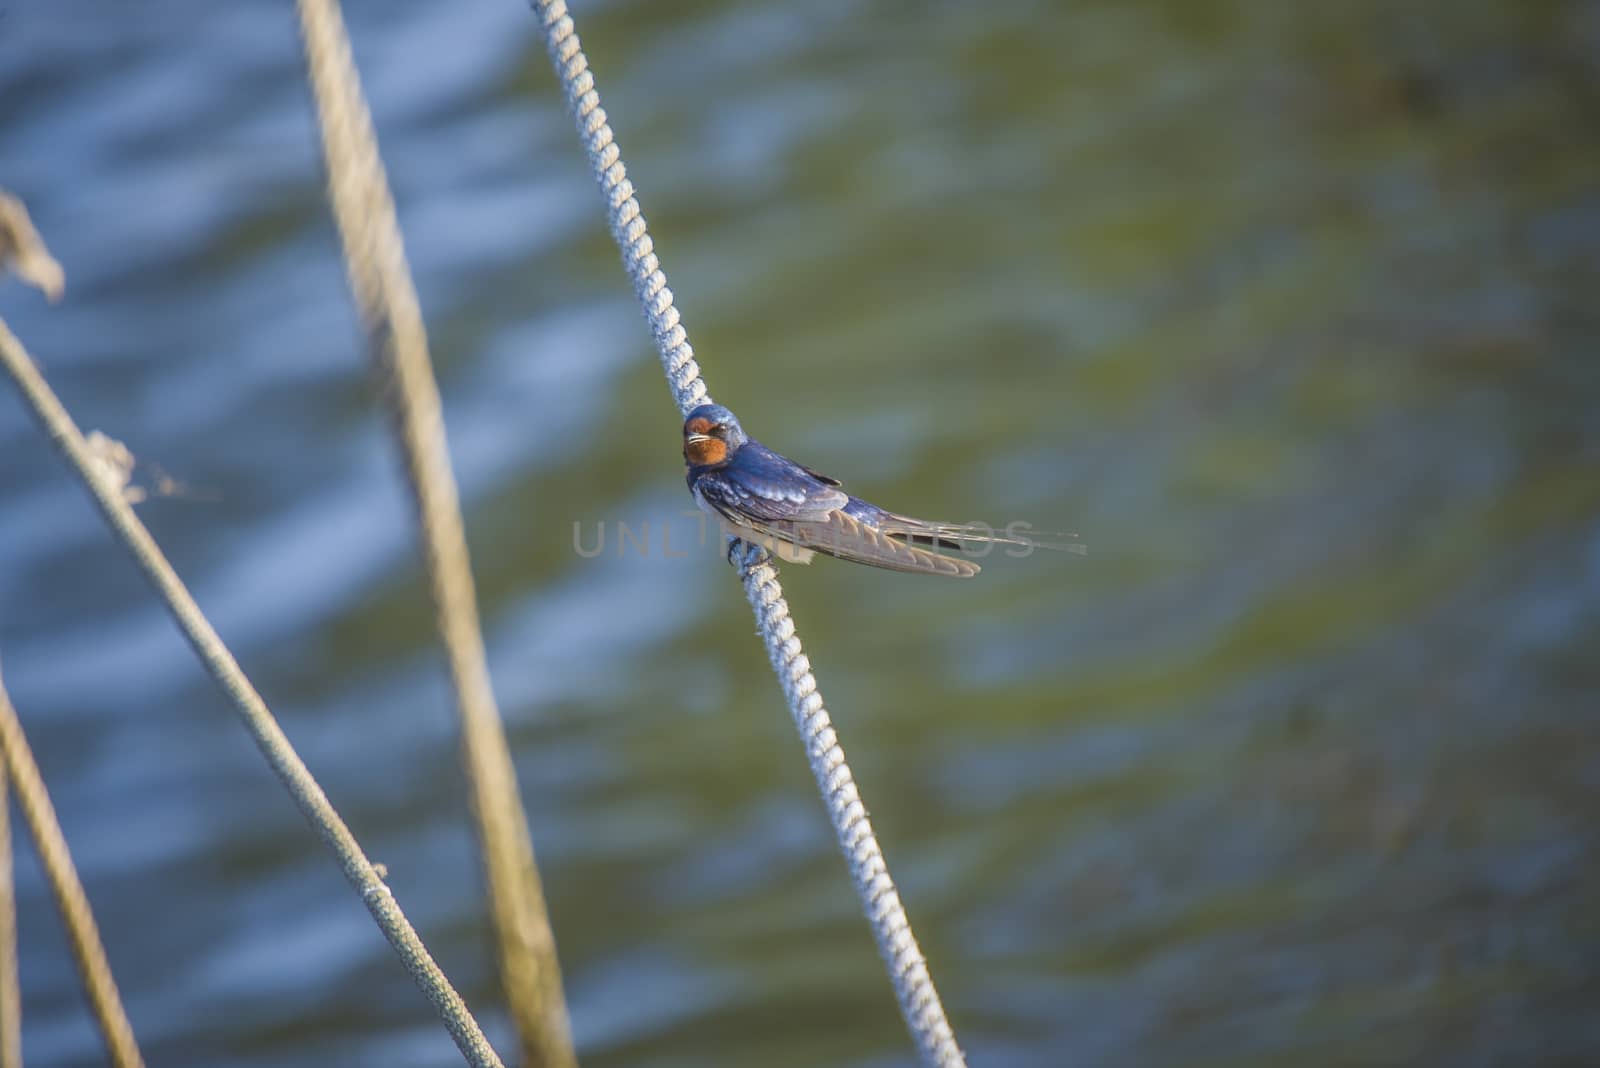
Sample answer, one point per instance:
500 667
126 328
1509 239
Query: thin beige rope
56 860
10 986
106 485
398 346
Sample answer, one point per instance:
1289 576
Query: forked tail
958 535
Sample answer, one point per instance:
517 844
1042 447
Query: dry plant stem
73 903
398 346
22 251
10 988
106 487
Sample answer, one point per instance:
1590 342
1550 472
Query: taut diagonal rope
919 1000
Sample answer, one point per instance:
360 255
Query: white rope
919 1000
622 209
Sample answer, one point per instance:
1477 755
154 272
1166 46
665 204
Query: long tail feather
958 535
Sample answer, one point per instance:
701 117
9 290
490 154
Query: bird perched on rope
797 512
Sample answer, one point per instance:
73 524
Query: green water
1288 311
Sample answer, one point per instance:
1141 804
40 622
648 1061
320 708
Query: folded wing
848 538
816 522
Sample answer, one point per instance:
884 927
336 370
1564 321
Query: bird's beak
695 439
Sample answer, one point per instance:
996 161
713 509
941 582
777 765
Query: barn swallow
798 512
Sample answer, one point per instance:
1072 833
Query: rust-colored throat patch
705 451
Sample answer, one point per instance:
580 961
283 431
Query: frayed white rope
919 1000
106 484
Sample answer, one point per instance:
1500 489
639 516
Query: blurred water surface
1289 311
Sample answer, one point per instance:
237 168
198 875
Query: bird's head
711 435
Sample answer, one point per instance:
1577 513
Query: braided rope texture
622 207
919 999
908 971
